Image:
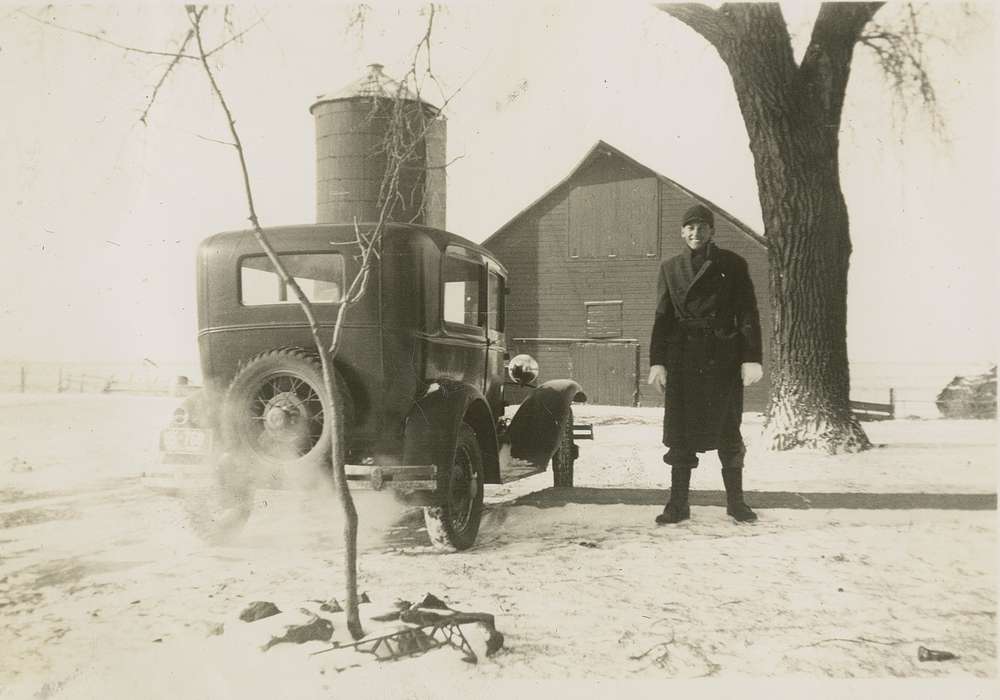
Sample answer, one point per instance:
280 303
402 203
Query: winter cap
699 212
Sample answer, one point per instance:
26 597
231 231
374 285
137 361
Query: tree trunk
809 255
338 453
792 116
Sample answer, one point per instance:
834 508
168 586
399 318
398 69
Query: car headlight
523 369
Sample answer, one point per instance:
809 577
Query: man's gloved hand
751 373
658 377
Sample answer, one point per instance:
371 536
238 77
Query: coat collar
688 275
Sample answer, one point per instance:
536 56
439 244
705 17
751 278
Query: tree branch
176 56
401 137
840 25
357 20
900 55
425 41
826 65
713 25
98 37
857 640
235 37
446 165
218 141
195 16
163 78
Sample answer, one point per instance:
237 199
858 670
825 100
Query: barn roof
604 148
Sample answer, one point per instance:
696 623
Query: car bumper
188 451
406 478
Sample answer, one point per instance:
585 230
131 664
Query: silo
352 146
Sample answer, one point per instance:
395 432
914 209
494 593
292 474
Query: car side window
462 291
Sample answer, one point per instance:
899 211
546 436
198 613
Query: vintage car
422 379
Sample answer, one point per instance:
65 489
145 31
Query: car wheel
276 415
454 524
565 455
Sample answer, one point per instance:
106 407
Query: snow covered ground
855 563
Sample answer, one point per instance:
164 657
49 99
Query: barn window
614 219
604 319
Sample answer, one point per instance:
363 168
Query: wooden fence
872 411
42 378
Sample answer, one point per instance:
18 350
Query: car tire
454 524
276 416
564 456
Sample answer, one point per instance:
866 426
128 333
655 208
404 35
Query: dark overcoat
706 326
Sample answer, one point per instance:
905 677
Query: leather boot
677 508
735 506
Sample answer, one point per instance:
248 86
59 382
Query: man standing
705 348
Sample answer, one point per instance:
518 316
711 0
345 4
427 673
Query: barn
583 261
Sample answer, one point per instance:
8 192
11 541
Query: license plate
192 441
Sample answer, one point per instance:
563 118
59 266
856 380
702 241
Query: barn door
608 372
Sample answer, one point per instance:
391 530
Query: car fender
431 427
534 431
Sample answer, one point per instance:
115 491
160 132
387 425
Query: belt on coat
704 327
697 326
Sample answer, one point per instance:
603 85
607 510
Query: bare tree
402 138
334 410
792 114
407 122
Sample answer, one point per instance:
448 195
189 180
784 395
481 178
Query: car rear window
319 275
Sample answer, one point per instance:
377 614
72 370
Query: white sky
102 215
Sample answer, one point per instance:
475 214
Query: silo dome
352 142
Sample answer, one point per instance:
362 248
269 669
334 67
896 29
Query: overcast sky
102 214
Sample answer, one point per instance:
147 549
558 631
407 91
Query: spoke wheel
276 417
285 417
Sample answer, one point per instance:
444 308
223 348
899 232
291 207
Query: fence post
638 378
23 379
892 402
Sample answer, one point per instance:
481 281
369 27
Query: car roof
305 236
